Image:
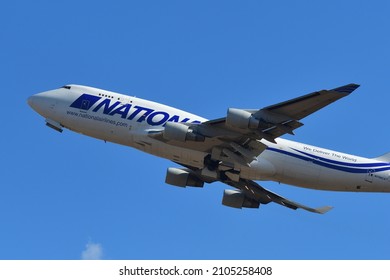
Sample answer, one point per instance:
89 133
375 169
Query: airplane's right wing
254 192
248 194
275 120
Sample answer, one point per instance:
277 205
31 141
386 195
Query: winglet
323 210
320 210
347 89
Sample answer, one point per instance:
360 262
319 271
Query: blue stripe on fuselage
342 166
376 164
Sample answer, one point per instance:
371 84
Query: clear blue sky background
62 194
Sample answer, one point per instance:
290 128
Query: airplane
237 150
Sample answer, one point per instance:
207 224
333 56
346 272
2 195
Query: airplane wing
234 139
275 120
256 193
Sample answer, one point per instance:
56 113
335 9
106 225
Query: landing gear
211 164
219 170
210 168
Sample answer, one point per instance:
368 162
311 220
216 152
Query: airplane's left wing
234 139
275 120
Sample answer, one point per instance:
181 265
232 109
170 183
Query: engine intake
182 178
237 199
241 119
180 132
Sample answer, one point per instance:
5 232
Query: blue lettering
107 108
140 114
122 110
138 110
174 118
159 120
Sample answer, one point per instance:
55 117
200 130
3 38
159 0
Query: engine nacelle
182 178
237 199
180 132
241 119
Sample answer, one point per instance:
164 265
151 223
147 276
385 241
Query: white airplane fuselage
129 121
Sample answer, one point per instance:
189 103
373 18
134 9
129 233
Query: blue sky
67 196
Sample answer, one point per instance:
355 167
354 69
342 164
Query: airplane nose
30 101
43 103
35 102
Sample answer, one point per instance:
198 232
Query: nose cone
37 103
31 102
43 103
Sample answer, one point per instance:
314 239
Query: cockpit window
67 87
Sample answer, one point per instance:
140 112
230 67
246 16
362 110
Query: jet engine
237 118
180 132
237 199
182 178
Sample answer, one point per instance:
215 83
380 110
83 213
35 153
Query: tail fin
385 157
